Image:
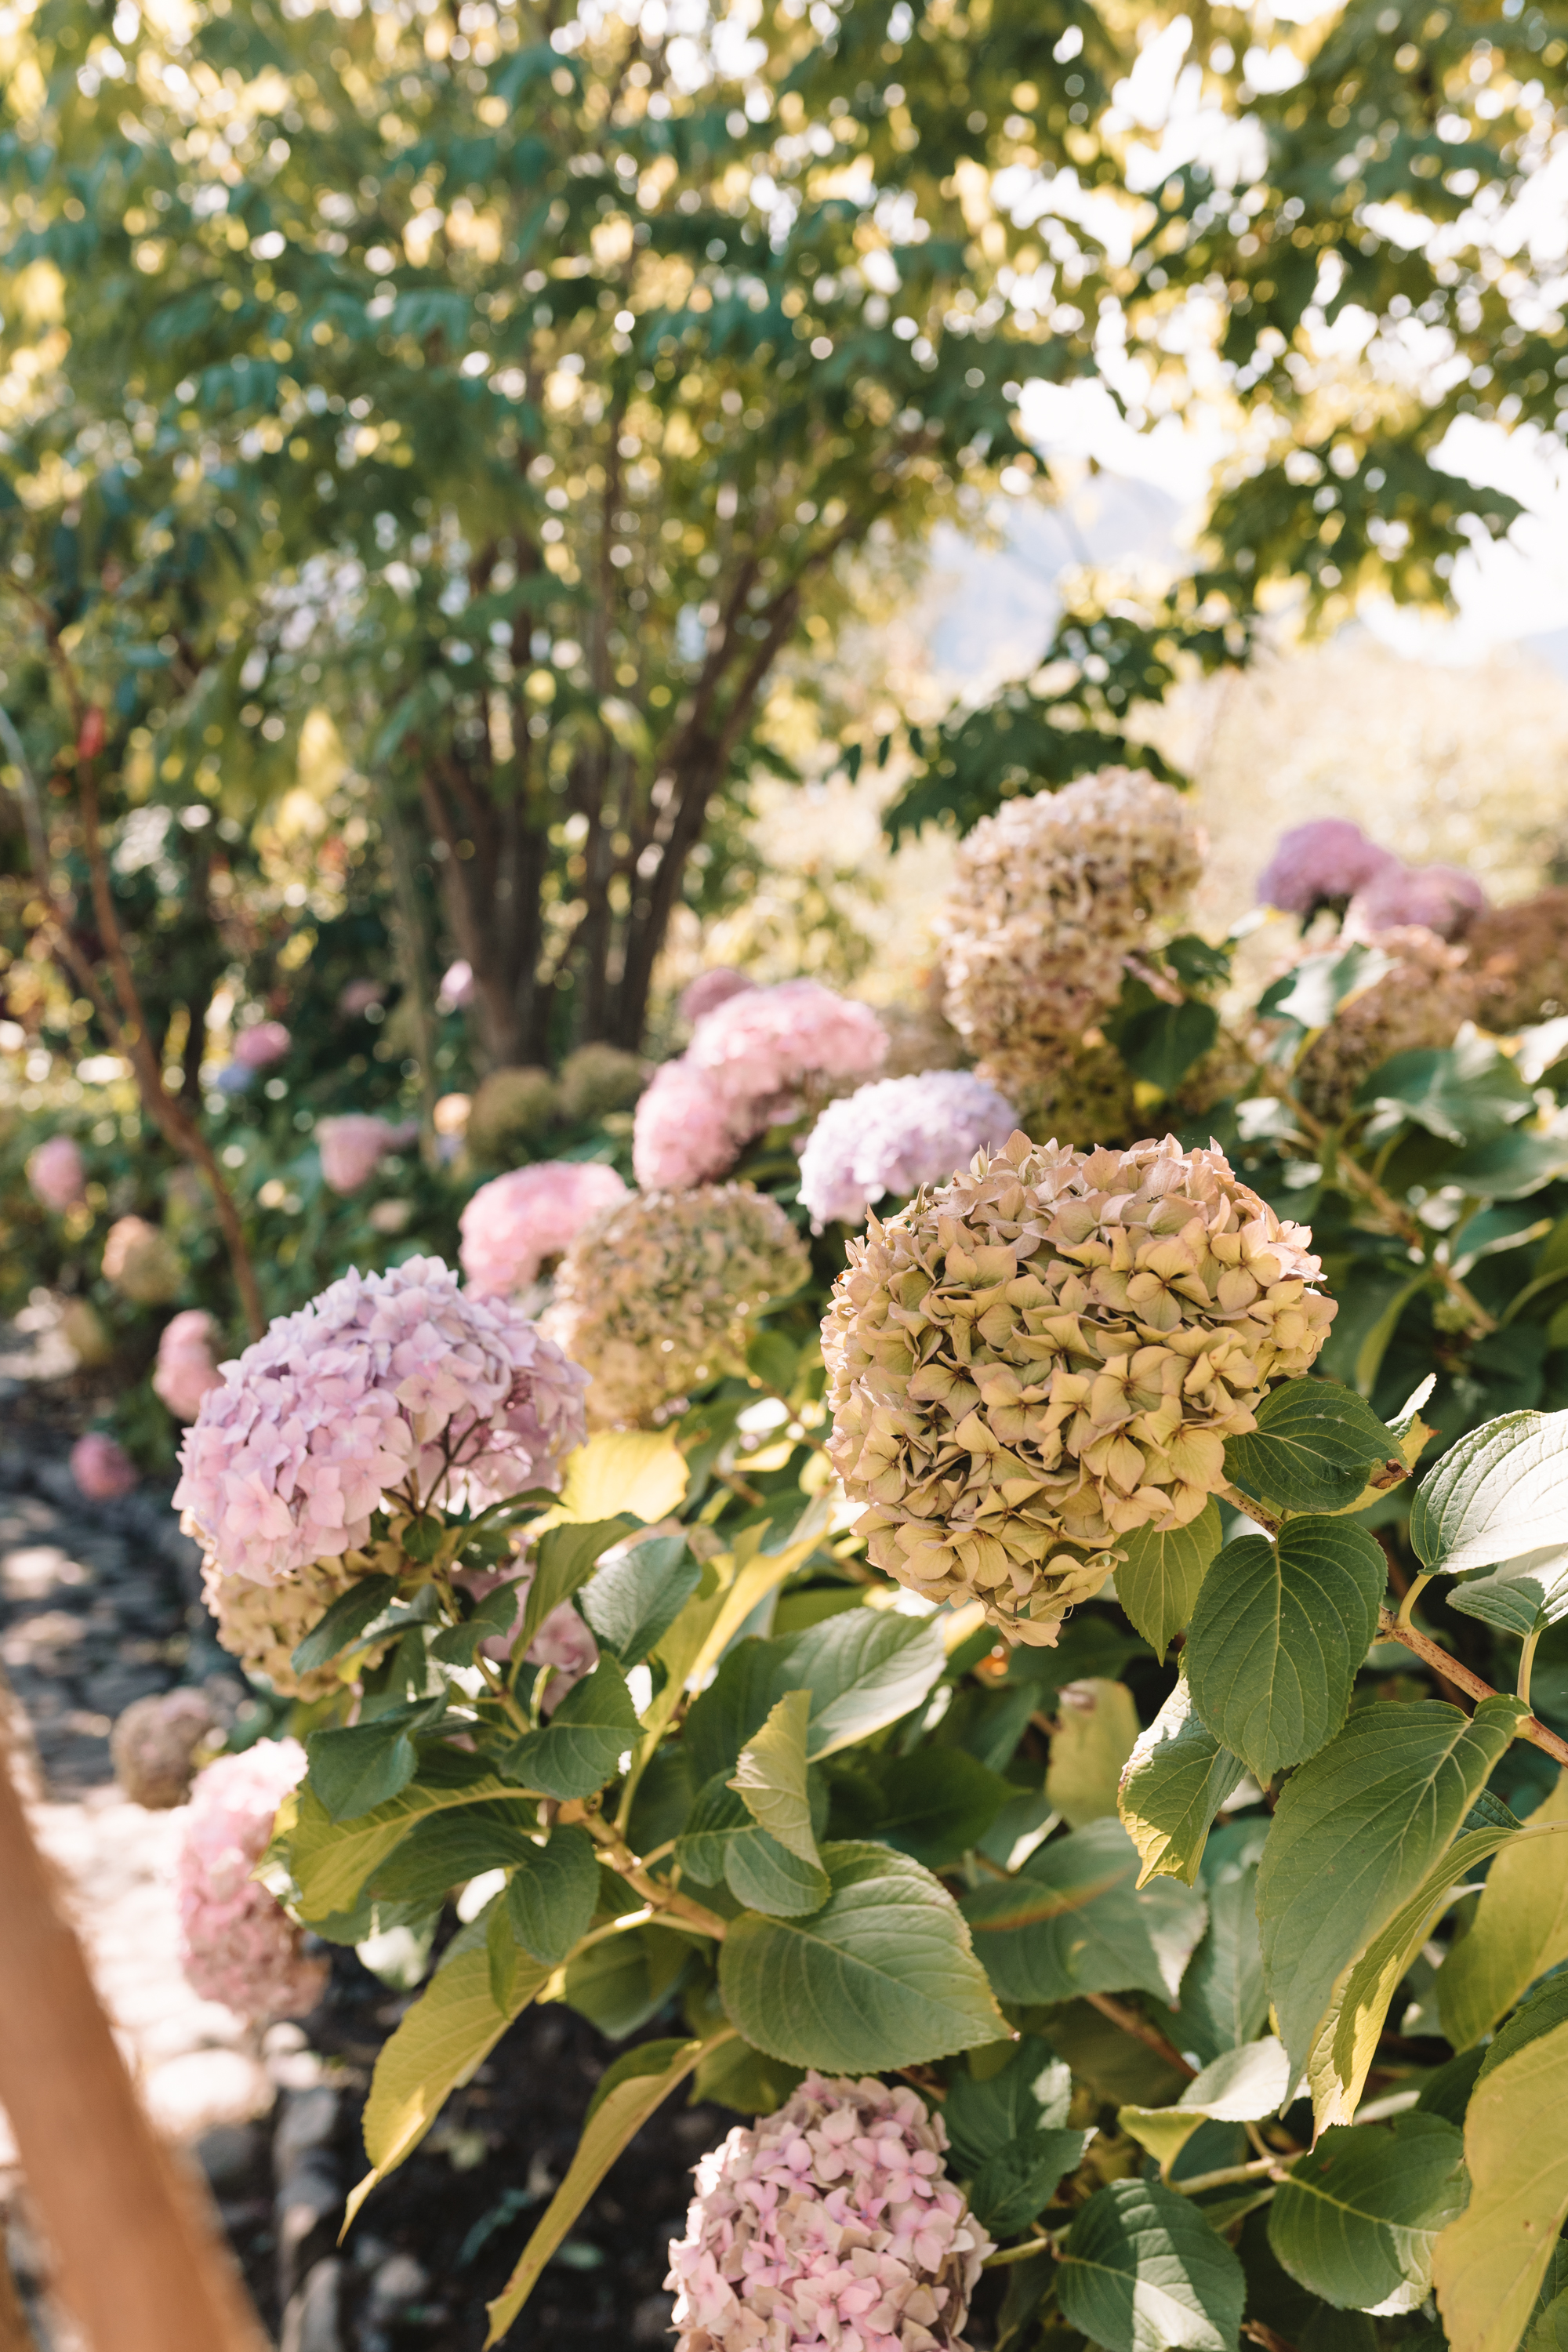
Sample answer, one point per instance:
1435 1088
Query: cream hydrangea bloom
1030 1362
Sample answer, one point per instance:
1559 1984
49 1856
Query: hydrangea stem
1531 1728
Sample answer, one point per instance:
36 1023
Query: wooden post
140 2270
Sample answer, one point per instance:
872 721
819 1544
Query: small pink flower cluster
186 1368
745 1065
353 1147
896 1135
103 1470
1441 899
396 1382
56 1175
515 1223
240 1946
1326 859
259 1047
831 2222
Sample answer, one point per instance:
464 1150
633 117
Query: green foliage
1357 2221
1142 2270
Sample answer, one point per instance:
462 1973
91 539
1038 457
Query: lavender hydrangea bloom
1441 899
397 1382
894 1136
1328 858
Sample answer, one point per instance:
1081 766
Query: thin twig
1397 1220
1461 1678
1129 2020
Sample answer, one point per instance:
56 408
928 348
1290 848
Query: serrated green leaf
935 1804
564 1560
1019 2180
1142 2271
721 1841
1354 1834
1071 1922
1356 2220
1499 1491
1521 1599
579 1748
1313 1446
449 2031
444 1851
1159 1579
770 1777
345 1621
1519 1931
1177 1777
628 2093
354 1771
883 1975
1278 1635
1032 2091
552 1895
1097 1726
328 1863
864 1669
632 1602
1223 1999
1490 2263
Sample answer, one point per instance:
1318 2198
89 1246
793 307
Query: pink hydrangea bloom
1441 899
56 1175
240 1946
357 996
186 1368
561 1640
832 2222
684 1131
709 990
896 1135
385 1383
763 1044
457 984
1328 858
516 1222
259 1047
103 1470
353 1147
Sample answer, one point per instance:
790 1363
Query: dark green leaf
580 1748
1159 1580
1313 1449
1071 1922
565 1558
352 1772
1464 1092
345 1621
1016 2182
1142 2271
723 1842
933 1805
632 1602
1161 1044
984 2115
552 1895
445 1850
1356 2219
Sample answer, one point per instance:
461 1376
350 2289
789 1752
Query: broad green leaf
1523 1598
863 1669
1508 1167
628 2093
458 1645
1499 1492
1550 2331
1278 1635
328 1863
1161 1044
707 1625
1071 1922
579 1748
1464 1092
1313 1446
632 1602
770 1777
883 1975
449 2031
640 1472
563 1562
935 1804
1490 2263
721 1841
1097 1726
345 1621
444 1850
1239 2086
1541 2011
1142 2271
1346 2045
354 1771
1018 2181
1032 2091
774 1359
1357 2218
1176 1778
1355 1832
1520 1929
621 1984
1159 1577
1312 990
552 1895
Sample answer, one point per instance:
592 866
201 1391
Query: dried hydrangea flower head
1086 1099
1423 1000
153 1745
598 1078
510 1110
142 1263
262 1625
1049 895
1049 1352
895 1135
1322 862
832 2222
1518 958
240 1946
103 1469
55 1174
1441 899
186 1368
685 1130
659 1294
387 1384
515 1224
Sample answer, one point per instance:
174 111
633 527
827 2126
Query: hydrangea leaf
1142 2271
770 1777
935 1804
1311 1450
552 1894
1159 1577
632 1602
579 1748
1499 1492
1071 1922
1519 1931
1018 2181
1175 1780
1096 1727
1357 2218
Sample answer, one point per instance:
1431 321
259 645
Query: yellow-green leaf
329 1861
1096 1728
1490 2262
449 2031
641 1471
1520 1929
770 1777
627 2095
